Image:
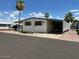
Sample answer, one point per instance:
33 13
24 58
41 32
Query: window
38 23
27 23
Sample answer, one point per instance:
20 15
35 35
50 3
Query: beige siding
49 26
33 28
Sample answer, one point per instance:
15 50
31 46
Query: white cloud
77 18
12 16
50 16
6 12
34 14
15 12
74 10
39 15
1 20
9 16
22 18
76 13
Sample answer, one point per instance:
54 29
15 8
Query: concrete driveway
70 35
13 46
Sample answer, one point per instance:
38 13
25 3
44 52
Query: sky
37 8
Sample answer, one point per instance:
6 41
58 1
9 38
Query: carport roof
43 19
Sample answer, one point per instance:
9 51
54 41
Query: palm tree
19 7
69 17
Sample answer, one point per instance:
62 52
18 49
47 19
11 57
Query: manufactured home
42 25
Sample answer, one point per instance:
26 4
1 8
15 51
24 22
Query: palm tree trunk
19 21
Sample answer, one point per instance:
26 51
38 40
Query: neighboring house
42 25
5 25
75 25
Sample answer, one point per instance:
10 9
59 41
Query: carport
57 26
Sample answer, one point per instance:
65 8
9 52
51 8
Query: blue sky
56 8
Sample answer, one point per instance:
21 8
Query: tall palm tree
69 17
19 7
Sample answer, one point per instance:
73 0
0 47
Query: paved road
25 47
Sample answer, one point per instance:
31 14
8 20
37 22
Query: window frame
38 23
28 23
